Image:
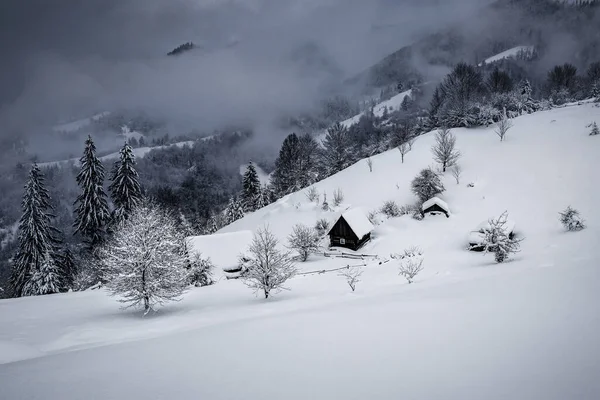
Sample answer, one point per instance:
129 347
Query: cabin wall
435 208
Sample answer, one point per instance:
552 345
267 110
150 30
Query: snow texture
76 125
223 249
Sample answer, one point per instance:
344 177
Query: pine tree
251 189
336 153
596 91
595 131
68 269
234 211
125 188
407 103
285 165
144 261
265 197
45 280
35 232
91 206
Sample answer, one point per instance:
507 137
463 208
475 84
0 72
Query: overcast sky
62 59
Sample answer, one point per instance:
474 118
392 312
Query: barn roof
435 201
358 221
222 248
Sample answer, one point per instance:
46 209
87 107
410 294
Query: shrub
410 262
200 270
390 209
304 240
352 275
595 131
338 197
571 220
312 194
322 226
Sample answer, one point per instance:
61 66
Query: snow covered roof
222 248
434 201
358 221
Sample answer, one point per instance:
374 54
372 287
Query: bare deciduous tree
456 171
268 268
410 262
338 197
352 276
370 164
444 151
304 240
503 126
404 148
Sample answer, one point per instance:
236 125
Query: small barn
352 230
435 206
224 250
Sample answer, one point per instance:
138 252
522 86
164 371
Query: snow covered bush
352 276
410 262
322 226
338 197
373 217
595 131
427 185
498 239
312 194
390 209
144 262
444 151
200 270
409 209
571 220
268 268
304 240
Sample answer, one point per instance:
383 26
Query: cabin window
342 241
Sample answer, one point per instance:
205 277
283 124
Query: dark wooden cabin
352 230
435 206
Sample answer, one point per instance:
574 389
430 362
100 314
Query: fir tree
265 197
91 206
407 103
596 91
336 153
45 280
595 131
35 232
68 269
285 165
234 211
251 189
125 188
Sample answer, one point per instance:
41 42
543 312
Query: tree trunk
266 294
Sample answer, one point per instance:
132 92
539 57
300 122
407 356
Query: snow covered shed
435 206
223 249
351 230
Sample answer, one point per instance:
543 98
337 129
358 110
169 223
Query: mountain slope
467 327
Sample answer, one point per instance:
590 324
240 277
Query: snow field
467 327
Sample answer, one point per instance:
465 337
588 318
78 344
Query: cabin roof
436 201
222 248
358 222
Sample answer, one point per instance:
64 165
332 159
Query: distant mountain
559 31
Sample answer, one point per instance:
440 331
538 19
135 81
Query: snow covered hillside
468 328
510 53
138 152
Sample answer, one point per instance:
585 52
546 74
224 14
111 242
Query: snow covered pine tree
251 189
234 211
336 153
45 280
125 188
91 206
144 261
35 232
